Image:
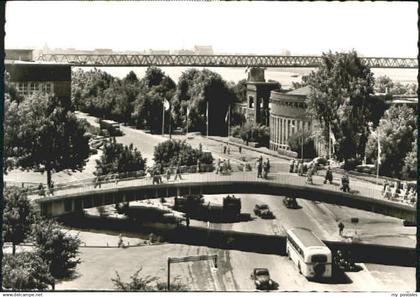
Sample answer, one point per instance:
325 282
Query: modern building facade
31 77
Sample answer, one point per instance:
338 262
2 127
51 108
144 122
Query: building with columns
288 115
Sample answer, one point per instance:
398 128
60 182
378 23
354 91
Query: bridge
137 60
71 198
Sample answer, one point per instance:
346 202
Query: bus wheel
300 270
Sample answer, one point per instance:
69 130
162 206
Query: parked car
290 202
263 211
262 280
367 168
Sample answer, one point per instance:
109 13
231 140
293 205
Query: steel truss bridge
213 60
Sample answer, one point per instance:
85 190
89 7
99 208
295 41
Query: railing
211 173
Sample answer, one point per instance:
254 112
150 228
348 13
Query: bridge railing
211 173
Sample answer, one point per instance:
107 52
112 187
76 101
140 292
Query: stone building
258 95
288 115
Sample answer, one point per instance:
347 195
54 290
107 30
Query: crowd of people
399 191
263 168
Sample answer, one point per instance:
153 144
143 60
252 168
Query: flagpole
379 155
187 121
207 118
163 118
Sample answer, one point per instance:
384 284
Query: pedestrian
291 165
224 149
178 172
259 168
228 150
120 241
41 190
386 184
340 228
309 174
265 170
345 183
240 149
198 165
187 221
300 168
218 166
268 165
168 173
200 147
328 175
52 188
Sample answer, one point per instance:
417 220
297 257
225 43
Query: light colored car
262 280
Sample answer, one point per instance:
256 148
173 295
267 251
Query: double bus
311 256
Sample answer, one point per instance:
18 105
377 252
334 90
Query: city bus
311 256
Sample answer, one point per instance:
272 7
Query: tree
25 272
410 161
340 92
119 158
42 134
397 133
251 132
58 249
175 152
202 89
18 216
295 143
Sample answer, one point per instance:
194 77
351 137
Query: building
19 54
31 77
203 50
258 95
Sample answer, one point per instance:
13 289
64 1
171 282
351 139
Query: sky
381 29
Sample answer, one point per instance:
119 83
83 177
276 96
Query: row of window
295 246
28 88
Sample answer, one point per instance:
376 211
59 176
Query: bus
311 256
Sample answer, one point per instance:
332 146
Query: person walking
168 174
345 183
178 172
218 166
41 190
300 168
187 221
240 149
340 228
259 168
328 176
228 150
198 165
291 165
224 149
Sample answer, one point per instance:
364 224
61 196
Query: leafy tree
397 132
295 143
240 90
410 161
119 158
10 91
43 135
199 87
18 216
340 92
175 152
58 249
25 272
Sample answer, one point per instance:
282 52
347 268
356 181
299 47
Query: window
319 258
251 102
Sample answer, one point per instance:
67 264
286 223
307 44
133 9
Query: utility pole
163 119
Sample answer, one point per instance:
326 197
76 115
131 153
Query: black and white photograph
210 146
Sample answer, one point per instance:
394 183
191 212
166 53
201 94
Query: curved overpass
67 201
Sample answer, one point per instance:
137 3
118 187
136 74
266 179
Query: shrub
175 152
251 132
295 143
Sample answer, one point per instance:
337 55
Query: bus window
319 258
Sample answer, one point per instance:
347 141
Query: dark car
290 202
262 279
263 211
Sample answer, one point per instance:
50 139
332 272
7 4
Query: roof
307 237
304 91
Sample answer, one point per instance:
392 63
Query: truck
194 206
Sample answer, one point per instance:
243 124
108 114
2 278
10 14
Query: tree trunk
13 248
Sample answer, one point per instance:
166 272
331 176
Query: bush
251 132
175 152
25 272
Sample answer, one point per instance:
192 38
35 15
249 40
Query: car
263 211
290 202
261 278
